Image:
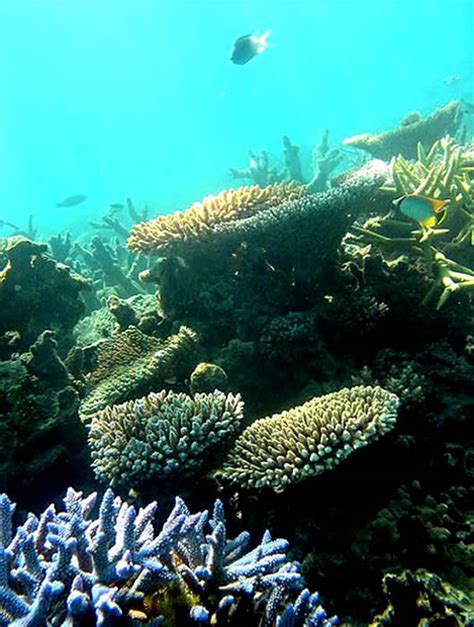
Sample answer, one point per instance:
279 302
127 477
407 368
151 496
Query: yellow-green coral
444 172
159 434
166 233
307 440
129 362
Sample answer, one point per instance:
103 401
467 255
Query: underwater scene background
236 313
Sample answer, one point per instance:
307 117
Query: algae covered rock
37 293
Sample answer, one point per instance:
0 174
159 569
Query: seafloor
298 349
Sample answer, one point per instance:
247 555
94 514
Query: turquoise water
139 99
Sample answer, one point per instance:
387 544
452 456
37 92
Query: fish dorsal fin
243 38
438 205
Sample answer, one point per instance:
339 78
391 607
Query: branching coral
72 568
167 234
404 139
131 363
445 172
307 440
160 434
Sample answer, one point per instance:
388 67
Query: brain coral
309 439
159 434
165 233
130 362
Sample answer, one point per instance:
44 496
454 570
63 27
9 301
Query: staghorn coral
307 440
132 362
160 434
444 172
36 294
73 568
404 139
167 234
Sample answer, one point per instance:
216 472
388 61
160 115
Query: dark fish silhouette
116 205
247 47
71 201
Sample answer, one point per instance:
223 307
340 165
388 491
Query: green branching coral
445 173
160 434
307 440
132 362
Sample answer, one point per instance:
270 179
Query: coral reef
160 434
170 234
445 172
307 440
132 363
39 426
422 598
36 294
404 139
69 567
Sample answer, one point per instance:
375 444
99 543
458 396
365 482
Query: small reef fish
116 205
248 46
423 209
71 201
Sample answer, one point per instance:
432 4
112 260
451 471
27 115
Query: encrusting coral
131 363
160 434
307 440
73 568
404 139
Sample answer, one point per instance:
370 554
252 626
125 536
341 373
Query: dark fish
71 201
247 47
116 205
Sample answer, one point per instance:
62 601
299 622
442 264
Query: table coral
131 362
166 234
404 139
310 439
160 434
74 568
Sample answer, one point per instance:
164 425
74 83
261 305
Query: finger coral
310 439
75 568
167 233
131 361
159 434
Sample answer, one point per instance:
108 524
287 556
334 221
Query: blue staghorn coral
72 568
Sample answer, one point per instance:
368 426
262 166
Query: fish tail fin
262 41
